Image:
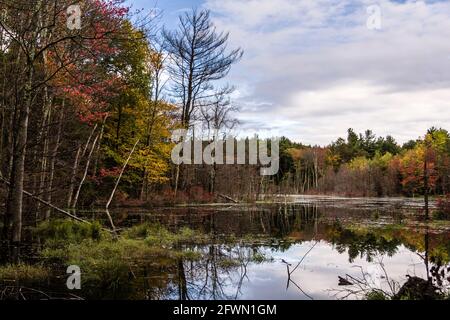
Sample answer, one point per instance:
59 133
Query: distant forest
364 165
360 165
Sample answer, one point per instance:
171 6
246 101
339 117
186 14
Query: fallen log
47 203
228 198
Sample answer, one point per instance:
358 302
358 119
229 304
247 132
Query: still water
300 251
296 249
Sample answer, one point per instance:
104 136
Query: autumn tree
137 115
54 76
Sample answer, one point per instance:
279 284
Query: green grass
115 267
156 235
108 263
70 231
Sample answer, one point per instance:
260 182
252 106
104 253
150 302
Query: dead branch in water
52 206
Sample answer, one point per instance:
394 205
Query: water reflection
308 251
287 252
220 275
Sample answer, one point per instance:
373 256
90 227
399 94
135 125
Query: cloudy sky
312 69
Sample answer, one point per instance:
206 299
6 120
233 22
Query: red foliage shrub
200 195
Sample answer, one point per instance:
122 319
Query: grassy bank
144 256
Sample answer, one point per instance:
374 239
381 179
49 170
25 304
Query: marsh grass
157 235
143 256
376 295
23 273
113 265
70 231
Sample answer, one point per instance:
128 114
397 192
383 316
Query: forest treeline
366 165
86 115
359 165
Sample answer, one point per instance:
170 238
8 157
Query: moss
24 273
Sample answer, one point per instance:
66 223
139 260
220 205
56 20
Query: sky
313 69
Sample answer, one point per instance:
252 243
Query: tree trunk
86 169
15 196
121 174
99 145
425 180
52 164
73 177
78 157
44 134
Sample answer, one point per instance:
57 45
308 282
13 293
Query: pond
302 250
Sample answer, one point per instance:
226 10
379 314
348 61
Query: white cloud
312 68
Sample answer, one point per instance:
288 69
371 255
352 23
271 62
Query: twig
298 265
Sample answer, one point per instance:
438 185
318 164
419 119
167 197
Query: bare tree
199 56
217 112
217 118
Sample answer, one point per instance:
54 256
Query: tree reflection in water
219 275
435 261
235 260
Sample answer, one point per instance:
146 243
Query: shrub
376 295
